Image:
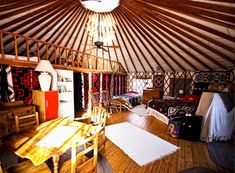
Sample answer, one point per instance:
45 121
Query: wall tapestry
78 96
6 88
95 82
86 87
213 77
24 81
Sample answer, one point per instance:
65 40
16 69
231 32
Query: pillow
173 127
176 111
132 92
191 98
189 109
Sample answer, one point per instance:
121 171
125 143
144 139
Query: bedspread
131 99
171 108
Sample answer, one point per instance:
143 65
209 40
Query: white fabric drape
217 123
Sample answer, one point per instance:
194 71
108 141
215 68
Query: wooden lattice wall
175 83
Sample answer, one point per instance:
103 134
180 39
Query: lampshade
44 78
44 66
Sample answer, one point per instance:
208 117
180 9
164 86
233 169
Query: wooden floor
191 154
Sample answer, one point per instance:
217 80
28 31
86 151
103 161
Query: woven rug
140 110
222 154
196 170
140 145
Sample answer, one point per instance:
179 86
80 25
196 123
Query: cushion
191 98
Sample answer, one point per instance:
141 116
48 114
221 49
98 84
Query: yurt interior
122 86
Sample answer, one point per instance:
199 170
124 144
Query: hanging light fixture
100 5
101 28
101 25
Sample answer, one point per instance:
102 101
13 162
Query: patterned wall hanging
86 87
78 96
95 82
116 84
6 88
213 77
123 84
24 80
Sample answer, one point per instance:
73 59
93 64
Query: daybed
165 109
130 99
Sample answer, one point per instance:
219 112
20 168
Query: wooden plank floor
191 154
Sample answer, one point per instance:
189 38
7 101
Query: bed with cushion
130 99
166 109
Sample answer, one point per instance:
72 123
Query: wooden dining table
51 139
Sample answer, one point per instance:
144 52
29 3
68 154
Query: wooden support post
89 93
101 88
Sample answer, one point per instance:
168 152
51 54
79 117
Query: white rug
140 110
140 145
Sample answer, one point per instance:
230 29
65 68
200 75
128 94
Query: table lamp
44 66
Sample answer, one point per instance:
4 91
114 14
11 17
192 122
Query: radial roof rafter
185 35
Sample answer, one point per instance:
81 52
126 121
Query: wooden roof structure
170 35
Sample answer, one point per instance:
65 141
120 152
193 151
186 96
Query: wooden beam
27 8
133 30
124 43
187 21
128 36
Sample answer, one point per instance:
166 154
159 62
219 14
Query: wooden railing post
38 51
55 59
15 46
2 46
47 51
27 48
60 55
78 59
66 56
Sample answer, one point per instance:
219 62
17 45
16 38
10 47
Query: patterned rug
222 154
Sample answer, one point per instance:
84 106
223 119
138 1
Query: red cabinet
47 103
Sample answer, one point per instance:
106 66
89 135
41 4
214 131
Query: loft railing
30 50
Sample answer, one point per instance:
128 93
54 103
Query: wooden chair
81 162
26 121
98 119
22 123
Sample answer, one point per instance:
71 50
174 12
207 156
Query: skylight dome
100 5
